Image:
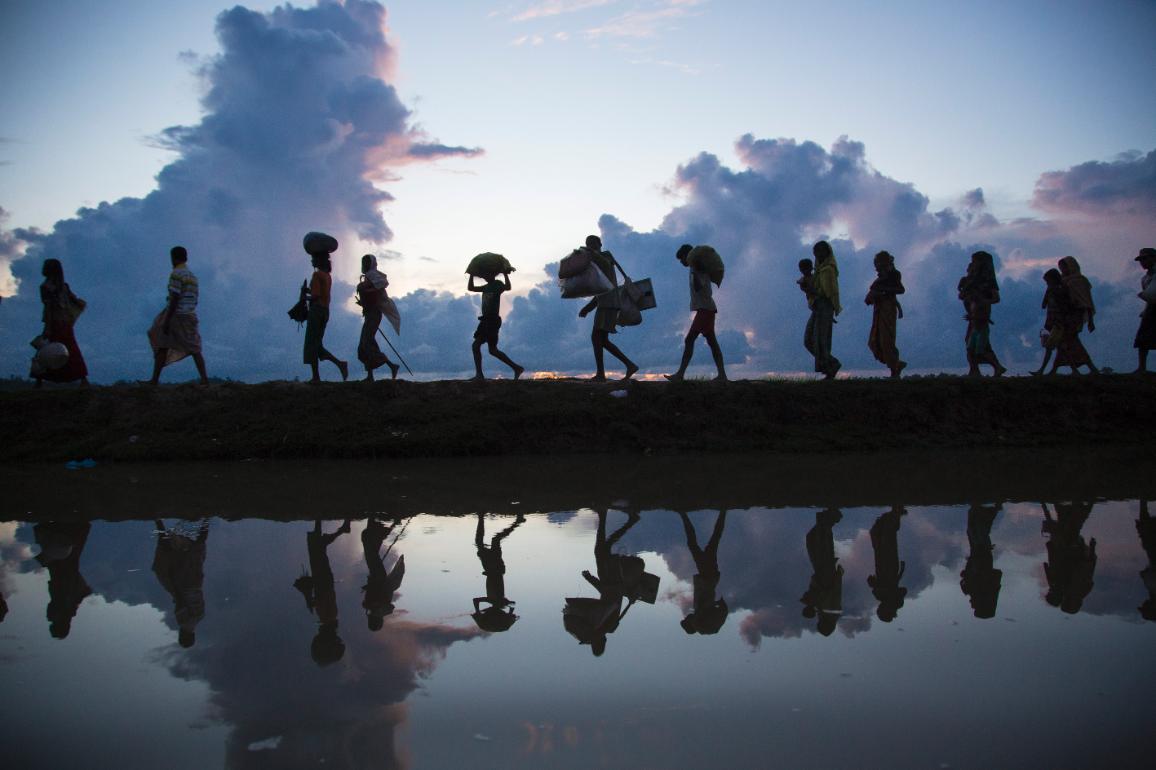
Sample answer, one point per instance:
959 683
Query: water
836 633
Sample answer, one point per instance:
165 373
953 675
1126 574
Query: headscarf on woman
1079 288
827 275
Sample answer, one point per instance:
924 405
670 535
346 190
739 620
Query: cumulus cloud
1125 186
299 127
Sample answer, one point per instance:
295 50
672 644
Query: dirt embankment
461 418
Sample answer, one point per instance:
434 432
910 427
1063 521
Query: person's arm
471 285
589 306
592 580
506 276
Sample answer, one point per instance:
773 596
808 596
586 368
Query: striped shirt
184 284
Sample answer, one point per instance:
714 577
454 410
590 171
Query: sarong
183 338
817 339
315 333
75 369
368 351
881 338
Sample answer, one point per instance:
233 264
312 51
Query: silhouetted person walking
372 298
606 318
319 294
1075 310
1054 306
980 581
490 322
889 568
708 613
382 583
978 291
705 311
824 596
179 564
883 297
61 309
1071 563
590 620
61 545
321 595
824 307
1146 334
499 615
175 332
1146 528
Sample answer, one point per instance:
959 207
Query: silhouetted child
489 322
889 568
499 615
807 281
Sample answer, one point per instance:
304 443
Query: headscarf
827 280
1079 288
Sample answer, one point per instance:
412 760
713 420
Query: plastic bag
319 243
49 357
489 265
629 314
589 283
643 294
707 260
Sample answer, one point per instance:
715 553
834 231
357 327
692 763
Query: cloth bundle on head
319 243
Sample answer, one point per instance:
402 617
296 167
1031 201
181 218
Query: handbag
73 305
300 311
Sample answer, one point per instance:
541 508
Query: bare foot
721 378
478 378
598 378
518 372
343 367
630 370
673 377
393 371
999 370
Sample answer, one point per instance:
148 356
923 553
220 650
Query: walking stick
391 347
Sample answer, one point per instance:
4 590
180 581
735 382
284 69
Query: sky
428 132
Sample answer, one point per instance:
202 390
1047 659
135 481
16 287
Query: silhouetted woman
373 300
321 596
179 564
606 316
824 307
61 309
1077 310
979 290
824 596
61 544
980 581
886 312
382 583
499 615
709 613
888 566
1071 563
320 290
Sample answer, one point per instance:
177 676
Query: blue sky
583 108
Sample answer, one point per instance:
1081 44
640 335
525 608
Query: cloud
1126 186
645 22
299 128
548 8
11 249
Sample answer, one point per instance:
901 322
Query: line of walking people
174 334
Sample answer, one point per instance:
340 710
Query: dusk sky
426 132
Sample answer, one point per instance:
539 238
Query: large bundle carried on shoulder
49 357
705 259
580 276
489 265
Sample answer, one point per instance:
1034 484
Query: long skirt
368 351
817 338
1146 334
75 369
881 339
1069 350
315 334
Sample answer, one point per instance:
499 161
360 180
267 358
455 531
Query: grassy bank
461 418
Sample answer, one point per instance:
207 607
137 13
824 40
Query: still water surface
918 632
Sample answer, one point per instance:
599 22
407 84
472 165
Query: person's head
186 637
598 646
683 251
1069 266
593 242
1146 258
1053 277
53 270
368 262
827 623
822 252
806 266
884 261
374 621
179 255
321 262
327 646
982 266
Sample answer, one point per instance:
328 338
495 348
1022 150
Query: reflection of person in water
499 616
1071 562
590 620
888 568
1146 526
709 613
61 544
381 584
179 564
321 595
980 580
824 596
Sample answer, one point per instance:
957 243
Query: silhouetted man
824 596
179 564
980 581
709 613
499 615
175 332
888 567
